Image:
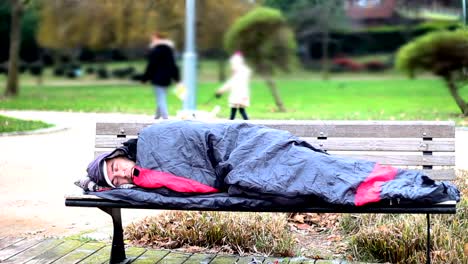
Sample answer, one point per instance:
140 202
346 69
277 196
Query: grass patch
402 238
240 233
312 99
82 237
9 125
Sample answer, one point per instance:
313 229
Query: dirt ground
37 170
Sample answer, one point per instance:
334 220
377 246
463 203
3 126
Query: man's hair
160 34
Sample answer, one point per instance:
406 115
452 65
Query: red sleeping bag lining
146 178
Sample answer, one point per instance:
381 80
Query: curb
48 130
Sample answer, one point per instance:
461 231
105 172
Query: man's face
154 39
120 170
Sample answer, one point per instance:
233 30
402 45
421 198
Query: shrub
348 64
3 69
71 74
36 68
264 233
443 53
60 71
439 52
102 73
90 70
375 66
123 72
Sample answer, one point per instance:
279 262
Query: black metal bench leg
428 245
118 249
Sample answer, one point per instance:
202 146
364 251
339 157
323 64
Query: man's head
237 60
111 169
158 36
118 171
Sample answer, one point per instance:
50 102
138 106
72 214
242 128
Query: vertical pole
428 243
190 56
464 11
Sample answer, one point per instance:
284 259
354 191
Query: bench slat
385 159
371 129
336 144
404 160
441 175
383 144
306 128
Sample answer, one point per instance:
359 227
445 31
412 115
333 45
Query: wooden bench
420 145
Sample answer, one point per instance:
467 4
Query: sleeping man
230 163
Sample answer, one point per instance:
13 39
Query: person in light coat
238 86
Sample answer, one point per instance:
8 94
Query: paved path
36 171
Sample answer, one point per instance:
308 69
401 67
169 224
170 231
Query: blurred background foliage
89 30
73 39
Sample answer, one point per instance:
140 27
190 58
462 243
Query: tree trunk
325 55
454 92
274 91
15 40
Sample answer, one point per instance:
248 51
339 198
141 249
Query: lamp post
464 11
190 56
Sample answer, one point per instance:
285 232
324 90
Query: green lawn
9 125
344 98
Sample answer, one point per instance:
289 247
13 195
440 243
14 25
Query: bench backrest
421 145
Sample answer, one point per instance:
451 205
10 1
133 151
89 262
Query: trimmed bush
347 64
102 73
443 53
265 39
439 52
36 68
267 43
375 66
60 71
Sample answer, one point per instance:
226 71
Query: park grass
342 98
9 125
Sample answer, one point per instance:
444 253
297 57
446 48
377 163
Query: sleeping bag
253 165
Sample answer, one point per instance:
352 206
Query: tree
120 24
15 41
61 29
267 42
214 19
444 53
284 5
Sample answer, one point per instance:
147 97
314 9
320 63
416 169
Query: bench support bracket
118 249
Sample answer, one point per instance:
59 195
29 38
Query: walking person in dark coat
161 71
